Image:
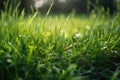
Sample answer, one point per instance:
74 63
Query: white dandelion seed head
38 3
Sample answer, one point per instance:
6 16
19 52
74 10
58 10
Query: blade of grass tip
49 9
48 12
10 10
114 19
22 14
67 19
32 18
31 7
15 13
95 7
6 5
63 24
43 21
88 5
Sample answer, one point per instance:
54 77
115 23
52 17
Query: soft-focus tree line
80 6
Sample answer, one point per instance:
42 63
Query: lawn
59 47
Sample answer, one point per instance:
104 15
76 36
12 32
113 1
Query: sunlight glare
38 3
62 1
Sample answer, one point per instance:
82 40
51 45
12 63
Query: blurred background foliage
65 6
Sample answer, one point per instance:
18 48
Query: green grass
59 47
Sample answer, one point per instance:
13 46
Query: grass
59 47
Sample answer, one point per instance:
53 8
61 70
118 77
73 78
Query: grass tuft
59 47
